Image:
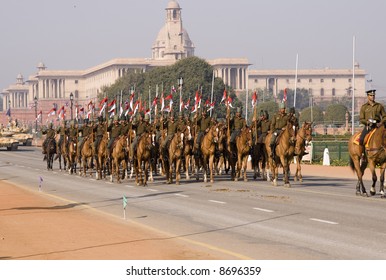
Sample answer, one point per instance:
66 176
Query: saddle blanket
367 138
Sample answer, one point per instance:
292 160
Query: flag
207 103
155 100
181 105
8 113
132 100
52 112
136 107
113 106
186 104
162 102
147 112
174 89
211 107
167 109
39 116
102 103
224 96
61 113
197 99
124 200
285 95
229 102
254 99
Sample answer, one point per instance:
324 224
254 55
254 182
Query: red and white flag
254 99
61 113
52 112
211 107
102 105
39 116
113 106
187 104
174 89
284 95
224 96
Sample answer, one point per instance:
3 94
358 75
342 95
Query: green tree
317 114
336 114
197 75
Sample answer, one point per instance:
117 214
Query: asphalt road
320 218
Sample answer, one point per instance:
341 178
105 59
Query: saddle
367 138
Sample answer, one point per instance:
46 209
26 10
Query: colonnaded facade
172 44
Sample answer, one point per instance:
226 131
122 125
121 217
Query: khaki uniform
368 111
262 126
237 124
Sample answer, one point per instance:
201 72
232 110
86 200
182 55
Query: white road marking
216 201
181 195
152 190
324 221
264 210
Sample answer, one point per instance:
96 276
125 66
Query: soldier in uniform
126 126
237 123
263 125
181 123
372 115
50 132
278 123
203 122
171 127
62 131
141 127
86 131
115 131
99 129
292 117
73 131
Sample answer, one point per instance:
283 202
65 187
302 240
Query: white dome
173 5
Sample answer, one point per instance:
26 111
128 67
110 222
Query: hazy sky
79 34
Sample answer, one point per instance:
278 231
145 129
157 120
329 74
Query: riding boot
45 158
57 156
272 150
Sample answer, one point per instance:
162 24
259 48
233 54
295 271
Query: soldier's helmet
72 123
238 110
123 118
147 117
116 118
282 105
261 113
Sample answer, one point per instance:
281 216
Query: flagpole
353 86
211 94
150 103
246 99
296 79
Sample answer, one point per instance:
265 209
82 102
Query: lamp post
180 83
36 115
71 100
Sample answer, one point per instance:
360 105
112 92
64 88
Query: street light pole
71 100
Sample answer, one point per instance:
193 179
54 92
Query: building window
322 92
76 94
76 81
333 92
299 80
256 81
322 80
349 80
333 80
287 81
310 80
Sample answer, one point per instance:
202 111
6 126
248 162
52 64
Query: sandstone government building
171 44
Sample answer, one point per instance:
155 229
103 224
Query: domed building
173 42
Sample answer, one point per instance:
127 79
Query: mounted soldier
372 115
50 132
100 130
63 132
115 131
171 127
141 126
263 125
73 131
203 123
86 131
237 123
278 124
